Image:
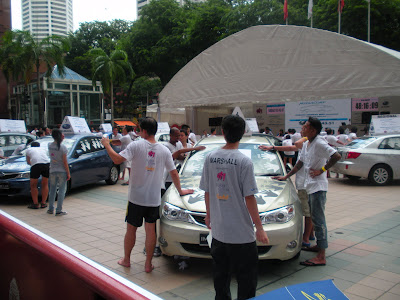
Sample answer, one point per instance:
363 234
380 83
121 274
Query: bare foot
149 269
123 263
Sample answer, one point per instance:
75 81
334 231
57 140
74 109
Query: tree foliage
110 70
167 36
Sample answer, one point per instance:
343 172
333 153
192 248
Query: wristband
273 147
323 169
306 138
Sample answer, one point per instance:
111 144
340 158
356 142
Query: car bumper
351 168
183 239
15 187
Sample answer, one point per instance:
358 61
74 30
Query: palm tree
109 69
49 51
11 61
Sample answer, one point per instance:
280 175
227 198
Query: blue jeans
317 202
60 179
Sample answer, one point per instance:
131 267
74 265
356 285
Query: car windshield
361 142
46 141
265 163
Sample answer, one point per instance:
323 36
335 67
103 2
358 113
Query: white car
182 227
376 158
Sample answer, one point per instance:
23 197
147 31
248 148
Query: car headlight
24 175
280 215
175 213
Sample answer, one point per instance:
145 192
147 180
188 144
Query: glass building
64 95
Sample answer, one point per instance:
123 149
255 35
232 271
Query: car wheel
380 175
113 175
351 177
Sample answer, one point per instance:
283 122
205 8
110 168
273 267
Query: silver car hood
272 194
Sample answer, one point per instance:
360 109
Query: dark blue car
87 159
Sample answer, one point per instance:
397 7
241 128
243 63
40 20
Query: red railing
34 266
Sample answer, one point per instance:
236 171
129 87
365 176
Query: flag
340 6
285 11
310 6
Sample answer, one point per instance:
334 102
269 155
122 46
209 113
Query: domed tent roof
284 63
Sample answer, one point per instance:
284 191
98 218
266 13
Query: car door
390 149
102 162
83 164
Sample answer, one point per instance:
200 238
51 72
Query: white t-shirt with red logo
148 162
228 177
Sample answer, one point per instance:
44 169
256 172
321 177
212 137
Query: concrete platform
363 256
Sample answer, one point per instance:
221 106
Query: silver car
182 226
376 158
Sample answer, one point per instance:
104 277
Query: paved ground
363 255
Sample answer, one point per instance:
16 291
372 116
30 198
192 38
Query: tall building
141 3
47 17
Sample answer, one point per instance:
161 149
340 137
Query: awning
278 63
125 123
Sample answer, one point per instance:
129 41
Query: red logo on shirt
221 176
152 154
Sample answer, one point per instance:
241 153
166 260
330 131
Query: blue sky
87 11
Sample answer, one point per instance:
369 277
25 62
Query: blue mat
316 290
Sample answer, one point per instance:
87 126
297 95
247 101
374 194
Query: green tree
109 70
47 52
90 35
11 61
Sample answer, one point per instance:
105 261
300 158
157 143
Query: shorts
136 213
304 202
288 156
40 169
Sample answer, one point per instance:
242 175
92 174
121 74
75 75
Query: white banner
163 127
12 126
385 124
74 125
331 113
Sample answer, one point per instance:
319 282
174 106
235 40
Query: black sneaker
61 213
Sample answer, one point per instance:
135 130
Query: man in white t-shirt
37 157
344 138
115 135
353 133
148 161
316 157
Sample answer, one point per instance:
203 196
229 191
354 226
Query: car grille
8 175
194 248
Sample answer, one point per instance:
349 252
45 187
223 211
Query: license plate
4 186
203 239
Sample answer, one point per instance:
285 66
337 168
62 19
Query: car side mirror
289 168
78 153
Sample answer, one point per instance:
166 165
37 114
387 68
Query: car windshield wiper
269 174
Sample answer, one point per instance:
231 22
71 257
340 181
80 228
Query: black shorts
40 169
136 214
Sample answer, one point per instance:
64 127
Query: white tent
284 63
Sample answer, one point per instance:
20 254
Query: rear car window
361 142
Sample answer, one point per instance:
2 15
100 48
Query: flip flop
43 205
305 245
125 183
122 264
309 263
33 206
310 249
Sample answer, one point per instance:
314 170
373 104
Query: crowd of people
233 247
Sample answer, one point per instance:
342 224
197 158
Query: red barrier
34 266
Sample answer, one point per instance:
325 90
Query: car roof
219 139
19 133
71 136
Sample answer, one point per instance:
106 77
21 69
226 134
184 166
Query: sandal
33 206
43 205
